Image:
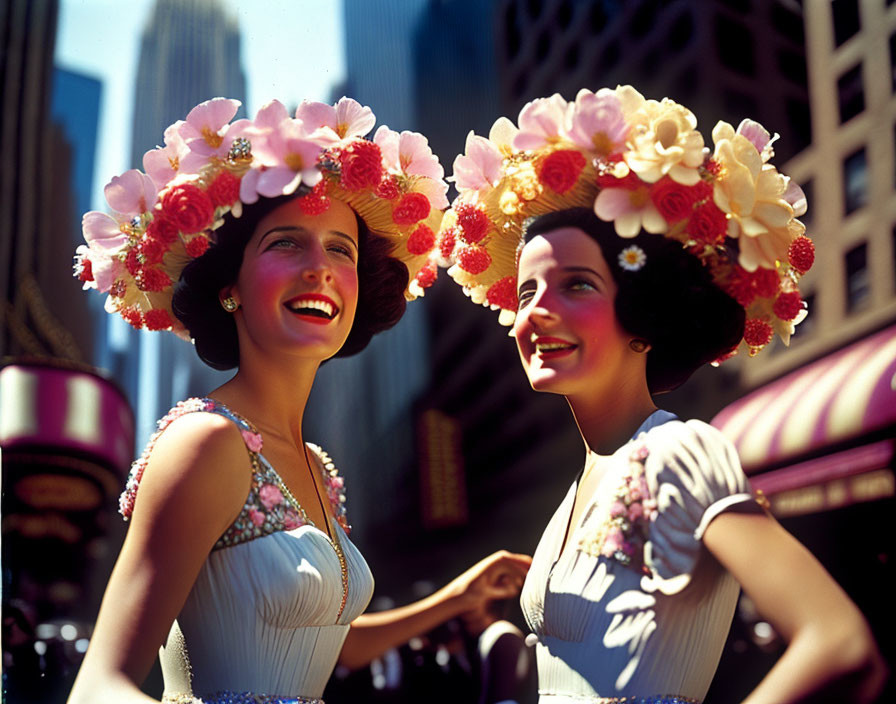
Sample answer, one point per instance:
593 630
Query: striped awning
848 394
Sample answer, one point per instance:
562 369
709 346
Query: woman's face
566 328
298 284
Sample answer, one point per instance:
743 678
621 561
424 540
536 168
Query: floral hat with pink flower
642 165
211 166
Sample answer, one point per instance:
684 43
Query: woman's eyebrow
281 228
344 236
585 269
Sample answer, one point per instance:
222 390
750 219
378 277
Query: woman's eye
283 243
524 297
581 285
341 249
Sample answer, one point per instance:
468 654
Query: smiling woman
274 244
627 256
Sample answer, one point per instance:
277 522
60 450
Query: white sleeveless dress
267 616
635 606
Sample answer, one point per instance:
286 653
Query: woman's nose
317 268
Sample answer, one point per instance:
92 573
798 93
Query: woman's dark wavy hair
671 301
381 284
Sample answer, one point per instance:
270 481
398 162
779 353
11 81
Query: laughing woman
626 257
274 244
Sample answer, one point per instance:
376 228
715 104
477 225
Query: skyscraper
190 52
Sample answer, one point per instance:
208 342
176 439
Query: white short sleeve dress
635 606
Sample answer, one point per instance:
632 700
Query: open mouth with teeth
550 347
319 309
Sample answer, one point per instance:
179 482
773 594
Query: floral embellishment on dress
623 531
335 486
252 440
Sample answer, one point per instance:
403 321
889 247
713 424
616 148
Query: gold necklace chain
332 537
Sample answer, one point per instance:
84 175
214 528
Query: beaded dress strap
334 484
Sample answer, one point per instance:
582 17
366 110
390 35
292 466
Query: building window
858 285
735 46
893 63
792 66
681 32
850 96
799 119
855 180
845 15
789 23
809 322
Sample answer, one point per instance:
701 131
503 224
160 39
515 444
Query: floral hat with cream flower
642 165
211 166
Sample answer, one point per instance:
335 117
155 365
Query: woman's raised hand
498 576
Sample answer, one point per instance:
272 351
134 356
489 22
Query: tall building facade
189 52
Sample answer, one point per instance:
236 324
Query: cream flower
754 197
664 140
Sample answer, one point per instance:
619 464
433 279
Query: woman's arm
194 485
498 576
831 653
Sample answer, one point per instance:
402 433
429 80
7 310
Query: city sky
285 44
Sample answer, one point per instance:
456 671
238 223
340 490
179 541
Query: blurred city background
447 453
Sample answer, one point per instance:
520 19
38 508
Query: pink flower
257 517
253 440
613 542
163 163
330 124
629 210
479 167
208 134
597 122
541 122
290 159
336 482
635 511
758 136
270 496
408 152
618 508
291 519
133 193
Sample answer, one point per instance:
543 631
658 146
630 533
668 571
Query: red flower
447 242
757 333
118 288
473 222
421 241
152 250
702 190
426 277
197 246
86 272
708 224
388 188
766 282
473 259
673 201
189 208
131 263
162 229
712 167
316 202
362 165
413 207
153 280
156 319
225 189
560 169
132 317
503 293
630 181
788 305
801 254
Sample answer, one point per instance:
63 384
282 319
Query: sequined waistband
237 698
552 698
